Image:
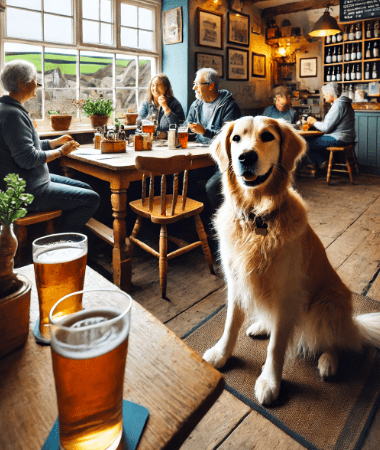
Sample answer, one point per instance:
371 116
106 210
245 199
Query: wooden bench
350 157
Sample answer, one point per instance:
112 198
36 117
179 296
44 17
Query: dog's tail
369 328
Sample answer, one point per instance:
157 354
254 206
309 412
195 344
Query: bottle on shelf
328 75
353 52
376 29
375 49
328 56
374 70
328 40
359 51
334 57
368 52
339 37
368 33
358 72
358 31
351 92
338 74
367 72
333 74
333 39
345 33
347 74
347 54
339 56
351 33
353 74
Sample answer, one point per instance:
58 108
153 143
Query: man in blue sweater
281 108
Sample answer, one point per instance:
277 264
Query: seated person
338 126
22 152
160 100
281 108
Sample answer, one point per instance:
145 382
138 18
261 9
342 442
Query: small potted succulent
14 288
98 110
60 121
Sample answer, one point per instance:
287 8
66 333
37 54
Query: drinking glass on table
89 350
60 265
183 135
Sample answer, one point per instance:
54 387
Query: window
111 50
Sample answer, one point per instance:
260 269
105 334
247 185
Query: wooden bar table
162 374
119 170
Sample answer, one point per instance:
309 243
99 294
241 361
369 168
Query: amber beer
147 128
183 136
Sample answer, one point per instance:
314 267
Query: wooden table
310 133
162 374
119 170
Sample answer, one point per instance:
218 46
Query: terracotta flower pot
98 121
130 118
60 122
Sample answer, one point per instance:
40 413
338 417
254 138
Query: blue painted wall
175 56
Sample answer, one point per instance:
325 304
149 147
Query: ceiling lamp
325 26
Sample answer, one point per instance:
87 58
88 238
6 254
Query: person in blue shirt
281 108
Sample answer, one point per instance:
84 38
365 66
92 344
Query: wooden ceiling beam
268 13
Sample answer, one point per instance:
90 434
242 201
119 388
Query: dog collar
261 221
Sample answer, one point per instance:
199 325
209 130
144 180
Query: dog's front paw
328 364
215 357
266 390
257 329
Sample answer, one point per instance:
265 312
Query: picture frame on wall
208 60
308 67
210 29
238 29
172 26
259 65
237 64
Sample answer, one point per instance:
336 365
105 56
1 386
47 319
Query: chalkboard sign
351 10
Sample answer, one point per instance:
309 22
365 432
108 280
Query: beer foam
59 255
76 344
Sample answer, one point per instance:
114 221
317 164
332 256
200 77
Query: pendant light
325 26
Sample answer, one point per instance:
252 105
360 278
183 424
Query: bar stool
350 157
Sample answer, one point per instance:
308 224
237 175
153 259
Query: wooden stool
22 233
349 152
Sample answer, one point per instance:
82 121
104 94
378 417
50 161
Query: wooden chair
350 160
21 230
167 209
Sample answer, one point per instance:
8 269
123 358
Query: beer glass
60 265
183 135
89 351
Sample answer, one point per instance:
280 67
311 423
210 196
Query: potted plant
60 121
14 288
98 111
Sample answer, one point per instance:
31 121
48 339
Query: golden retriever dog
275 266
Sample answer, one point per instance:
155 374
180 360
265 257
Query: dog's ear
293 146
220 147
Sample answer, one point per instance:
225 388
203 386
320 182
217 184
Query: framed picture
172 26
238 29
210 29
208 60
256 25
258 65
308 67
237 64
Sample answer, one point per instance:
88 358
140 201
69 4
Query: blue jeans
317 153
77 201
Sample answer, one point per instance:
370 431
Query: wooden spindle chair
167 209
346 167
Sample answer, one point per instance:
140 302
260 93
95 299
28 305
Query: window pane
128 15
34 106
106 11
128 37
125 99
145 71
27 52
91 32
146 40
105 33
90 9
60 68
125 71
24 24
142 96
58 29
146 19
60 100
29 4
62 7
96 70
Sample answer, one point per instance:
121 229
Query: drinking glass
60 265
183 135
89 350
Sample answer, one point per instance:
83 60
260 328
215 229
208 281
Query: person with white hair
338 127
22 152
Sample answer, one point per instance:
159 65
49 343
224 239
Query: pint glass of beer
60 265
183 136
89 351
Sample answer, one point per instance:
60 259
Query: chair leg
50 226
355 160
135 231
349 167
163 260
22 239
331 160
203 238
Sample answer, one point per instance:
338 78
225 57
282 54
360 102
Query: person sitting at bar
338 126
161 101
281 108
22 152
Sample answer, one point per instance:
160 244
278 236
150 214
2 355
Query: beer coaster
36 332
134 419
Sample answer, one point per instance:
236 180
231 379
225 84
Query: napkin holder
113 146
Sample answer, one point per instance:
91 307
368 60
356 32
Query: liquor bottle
328 75
333 39
358 31
333 75
351 34
338 74
339 37
358 72
347 74
353 74
353 52
328 40
351 92
375 49
359 51
368 33
374 70
345 33
328 57
366 73
376 29
339 56
333 57
347 54
368 51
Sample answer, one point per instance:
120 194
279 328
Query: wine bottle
338 74
333 39
328 75
328 40
351 92
345 33
339 37
368 51
339 56
353 74
333 57
333 75
375 49
366 73
358 31
347 55
358 72
347 75
368 33
359 51
376 29
374 70
351 34
328 57
353 52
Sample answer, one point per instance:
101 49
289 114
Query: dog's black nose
248 158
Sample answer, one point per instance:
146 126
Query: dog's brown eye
266 136
236 138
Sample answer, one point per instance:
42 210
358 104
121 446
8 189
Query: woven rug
323 415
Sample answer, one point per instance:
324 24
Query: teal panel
372 140
362 135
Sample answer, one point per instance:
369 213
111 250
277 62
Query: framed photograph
237 64
256 25
208 60
259 65
210 29
308 67
172 26
238 29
